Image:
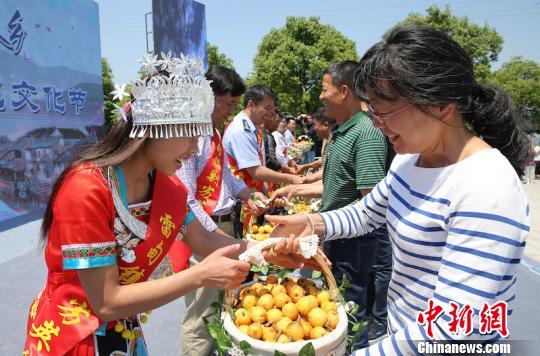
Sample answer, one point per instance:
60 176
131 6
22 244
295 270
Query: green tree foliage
291 61
521 79
108 86
215 57
482 43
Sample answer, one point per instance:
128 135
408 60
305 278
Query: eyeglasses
380 116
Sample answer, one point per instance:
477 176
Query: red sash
209 181
162 229
208 191
243 174
252 183
61 317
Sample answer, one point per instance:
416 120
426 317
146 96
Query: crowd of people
532 168
418 176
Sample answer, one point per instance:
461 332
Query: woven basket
332 344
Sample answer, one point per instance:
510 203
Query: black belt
222 218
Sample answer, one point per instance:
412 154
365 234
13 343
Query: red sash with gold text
61 317
252 183
168 209
209 181
243 174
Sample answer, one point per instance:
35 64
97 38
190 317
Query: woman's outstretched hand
286 226
299 225
222 270
285 192
287 254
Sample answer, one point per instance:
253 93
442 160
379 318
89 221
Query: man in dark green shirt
356 162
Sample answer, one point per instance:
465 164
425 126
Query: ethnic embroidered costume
89 231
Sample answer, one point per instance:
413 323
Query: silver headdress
177 105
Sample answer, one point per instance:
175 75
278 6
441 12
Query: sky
237 26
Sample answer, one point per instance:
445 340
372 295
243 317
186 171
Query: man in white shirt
281 143
243 142
213 191
290 132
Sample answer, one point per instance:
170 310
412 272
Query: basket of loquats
287 316
259 233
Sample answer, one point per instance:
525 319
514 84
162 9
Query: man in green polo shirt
356 162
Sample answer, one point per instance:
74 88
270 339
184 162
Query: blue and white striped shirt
458 234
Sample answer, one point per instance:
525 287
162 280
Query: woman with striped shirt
452 200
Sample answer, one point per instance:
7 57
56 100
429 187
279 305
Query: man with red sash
213 191
243 142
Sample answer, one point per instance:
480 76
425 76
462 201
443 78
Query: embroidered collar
137 227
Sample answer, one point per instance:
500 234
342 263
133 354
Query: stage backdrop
51 97
180 27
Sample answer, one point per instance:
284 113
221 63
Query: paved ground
23 275
532 250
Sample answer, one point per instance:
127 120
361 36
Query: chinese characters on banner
491 318
51 98
23 93
14 41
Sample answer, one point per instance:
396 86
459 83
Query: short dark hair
320 116
257 93
342 73
225 81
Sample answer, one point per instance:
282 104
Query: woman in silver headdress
115 212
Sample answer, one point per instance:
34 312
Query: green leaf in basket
214 329
245 346
354 309
356 330
205 320
223 341
255 268
307 350
345 284
282 272
264 269
215 308
316 274
277 353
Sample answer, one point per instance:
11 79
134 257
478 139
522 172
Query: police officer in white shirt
242 140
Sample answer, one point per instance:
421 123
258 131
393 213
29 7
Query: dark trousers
379 278
354 258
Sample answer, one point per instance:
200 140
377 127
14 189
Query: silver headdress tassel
179 104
